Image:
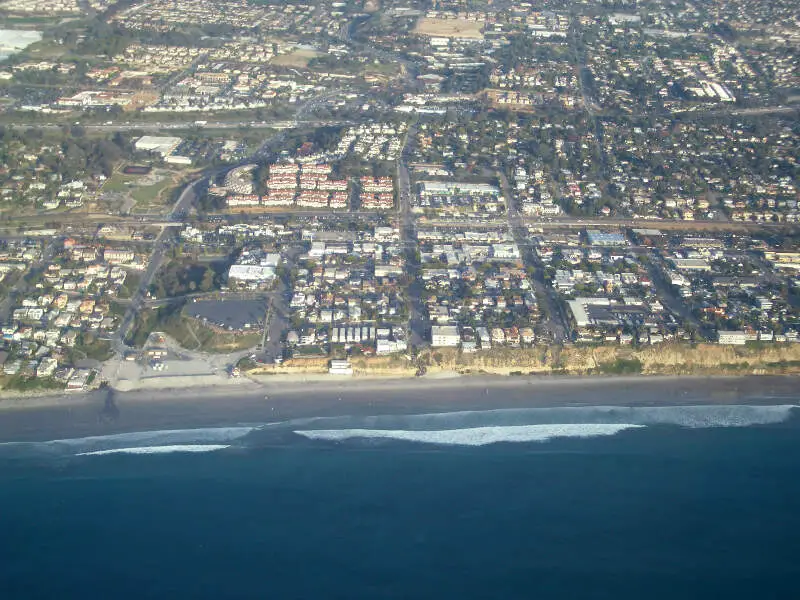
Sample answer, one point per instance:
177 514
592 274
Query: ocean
600 502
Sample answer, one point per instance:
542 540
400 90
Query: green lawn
132 282
144 195
119 182
151 194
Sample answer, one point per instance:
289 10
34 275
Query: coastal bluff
675 358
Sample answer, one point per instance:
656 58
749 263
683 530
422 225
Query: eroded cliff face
711 358
663 359
676 358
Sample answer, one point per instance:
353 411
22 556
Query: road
667 296
193 124
554 322
571 222
21 286
181 207
418 324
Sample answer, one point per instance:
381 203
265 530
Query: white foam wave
475 436
142 439
208 434
158 449
699 416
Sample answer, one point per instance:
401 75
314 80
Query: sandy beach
278 399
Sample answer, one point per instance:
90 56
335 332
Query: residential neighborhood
346 180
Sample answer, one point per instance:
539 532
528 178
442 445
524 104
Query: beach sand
278 399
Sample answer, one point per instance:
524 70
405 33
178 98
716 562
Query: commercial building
162 145
451 188
601 238
260 273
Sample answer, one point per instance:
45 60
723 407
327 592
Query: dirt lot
460 28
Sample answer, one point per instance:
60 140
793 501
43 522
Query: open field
297 58
190 333
457 28
148 191
150 195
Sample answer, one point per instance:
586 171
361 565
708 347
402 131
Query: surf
478 428
474 436
158 449
127 441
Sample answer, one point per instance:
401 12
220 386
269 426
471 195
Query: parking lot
233 315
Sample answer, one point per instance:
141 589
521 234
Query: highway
190 124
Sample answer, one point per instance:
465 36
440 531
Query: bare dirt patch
457 28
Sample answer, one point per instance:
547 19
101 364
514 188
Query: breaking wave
474 428
93 445
159 449
700 416
478 428
474 436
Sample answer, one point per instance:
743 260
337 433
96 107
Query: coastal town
215 190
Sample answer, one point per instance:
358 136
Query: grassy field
296 58
132 282
190 333
151 194
119 182
146 195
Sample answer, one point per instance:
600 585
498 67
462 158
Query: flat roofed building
691 264
451 188
602 238
340 367
162 145
251 273
445 335
735 338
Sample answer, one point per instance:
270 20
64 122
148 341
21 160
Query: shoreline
107 412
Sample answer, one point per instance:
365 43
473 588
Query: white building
340 367
162 145
445 335
736 338
251 273
451 188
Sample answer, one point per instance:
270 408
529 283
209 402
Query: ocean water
689 502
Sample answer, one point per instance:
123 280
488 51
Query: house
46 367
485 338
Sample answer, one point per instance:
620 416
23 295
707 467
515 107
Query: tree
207 283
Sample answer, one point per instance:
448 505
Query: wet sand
107 412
